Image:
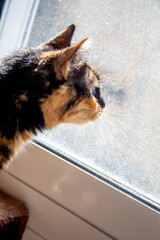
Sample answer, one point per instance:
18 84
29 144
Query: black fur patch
5 151
78 79
18 77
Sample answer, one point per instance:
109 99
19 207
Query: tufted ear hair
62 40
62 59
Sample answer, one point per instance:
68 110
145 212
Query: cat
42 87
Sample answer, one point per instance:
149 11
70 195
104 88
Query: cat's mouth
98 112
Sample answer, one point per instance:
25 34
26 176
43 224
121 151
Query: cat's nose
101 102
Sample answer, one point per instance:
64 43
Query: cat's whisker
121 114
99 124
124 140
109 126
109 135
129 128
119 130
115 143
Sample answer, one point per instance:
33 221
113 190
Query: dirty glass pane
124 144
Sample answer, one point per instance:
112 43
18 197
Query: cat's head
77 98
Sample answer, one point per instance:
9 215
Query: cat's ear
62 40
62 59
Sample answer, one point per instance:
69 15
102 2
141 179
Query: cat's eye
93 91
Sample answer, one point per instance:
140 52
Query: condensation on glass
124 144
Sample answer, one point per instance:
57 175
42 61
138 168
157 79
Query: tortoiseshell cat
42 87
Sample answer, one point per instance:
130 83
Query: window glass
125 39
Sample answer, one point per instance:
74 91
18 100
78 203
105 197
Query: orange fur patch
14 144
84 111
46 55
52 105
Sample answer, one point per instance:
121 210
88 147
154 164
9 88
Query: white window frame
115 212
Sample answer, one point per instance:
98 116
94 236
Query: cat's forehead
89 74
93 76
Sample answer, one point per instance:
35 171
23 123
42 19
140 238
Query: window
124 144
117 157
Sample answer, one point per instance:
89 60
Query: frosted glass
124 144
